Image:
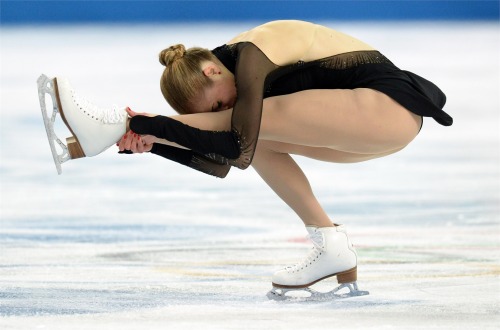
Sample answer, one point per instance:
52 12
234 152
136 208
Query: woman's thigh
319 153
359 121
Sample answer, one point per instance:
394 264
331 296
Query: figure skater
283 88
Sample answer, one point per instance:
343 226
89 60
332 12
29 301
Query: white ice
137 242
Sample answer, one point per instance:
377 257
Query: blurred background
129 242
50 12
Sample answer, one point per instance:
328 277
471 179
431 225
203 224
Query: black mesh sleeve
252 69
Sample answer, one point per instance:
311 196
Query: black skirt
362 69
415 93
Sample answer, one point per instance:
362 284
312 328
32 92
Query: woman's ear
211 69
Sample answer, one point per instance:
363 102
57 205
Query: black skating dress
257 77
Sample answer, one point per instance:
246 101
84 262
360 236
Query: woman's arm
253 69
208 163
210 121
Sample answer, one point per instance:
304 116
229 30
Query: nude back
288 41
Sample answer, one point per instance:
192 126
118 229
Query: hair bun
171 54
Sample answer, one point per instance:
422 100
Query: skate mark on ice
81 231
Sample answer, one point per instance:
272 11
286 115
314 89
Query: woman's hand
135 143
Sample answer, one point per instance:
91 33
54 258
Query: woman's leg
273 163
286 179
360 121
342 126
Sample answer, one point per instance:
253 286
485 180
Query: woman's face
221 95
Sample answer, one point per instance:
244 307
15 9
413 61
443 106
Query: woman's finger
127 143
136 143
121 143
140 144
130 112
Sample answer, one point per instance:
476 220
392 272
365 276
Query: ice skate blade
46 86
308 294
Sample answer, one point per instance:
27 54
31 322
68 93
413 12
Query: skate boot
332 255
93 129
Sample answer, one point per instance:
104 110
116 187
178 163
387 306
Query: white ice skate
332 255
93 129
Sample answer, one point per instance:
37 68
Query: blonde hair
183 79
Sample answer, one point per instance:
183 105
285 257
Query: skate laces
318 249
115 115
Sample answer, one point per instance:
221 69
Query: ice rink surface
137 242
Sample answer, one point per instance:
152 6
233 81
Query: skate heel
74 148
348 276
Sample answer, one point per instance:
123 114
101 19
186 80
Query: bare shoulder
288 41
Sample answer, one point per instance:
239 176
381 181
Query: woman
282 88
